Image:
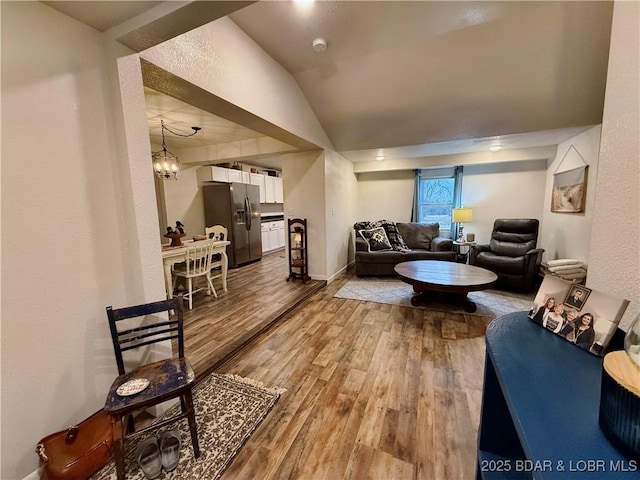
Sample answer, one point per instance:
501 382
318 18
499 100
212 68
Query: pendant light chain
165 163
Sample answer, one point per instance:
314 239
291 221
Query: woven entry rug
228 409
490 303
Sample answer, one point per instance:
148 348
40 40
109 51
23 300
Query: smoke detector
319 44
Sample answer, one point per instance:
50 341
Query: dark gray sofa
409 241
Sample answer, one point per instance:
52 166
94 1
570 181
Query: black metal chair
511 253
167 379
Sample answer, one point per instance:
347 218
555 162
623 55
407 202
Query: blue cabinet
540 408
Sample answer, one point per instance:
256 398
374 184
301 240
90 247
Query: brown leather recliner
511 253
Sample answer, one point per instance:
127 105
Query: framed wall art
570 186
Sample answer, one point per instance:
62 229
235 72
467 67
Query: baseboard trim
339 272
35 475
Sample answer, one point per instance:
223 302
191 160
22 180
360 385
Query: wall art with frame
570 186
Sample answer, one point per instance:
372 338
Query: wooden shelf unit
298 256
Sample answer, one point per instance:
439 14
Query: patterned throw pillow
376 239
393 234
390 228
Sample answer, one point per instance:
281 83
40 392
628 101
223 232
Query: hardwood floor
257 297
373 390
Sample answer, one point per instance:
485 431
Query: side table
458 246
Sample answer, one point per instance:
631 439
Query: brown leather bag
79 451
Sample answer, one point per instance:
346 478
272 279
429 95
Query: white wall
138 211
568 235
341 203
614 260
304 197
232 66
385 196
504 190
65 242
184 201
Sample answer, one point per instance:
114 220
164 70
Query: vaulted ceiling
404 76
407 73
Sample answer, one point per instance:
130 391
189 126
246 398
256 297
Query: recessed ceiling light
379 157
495 148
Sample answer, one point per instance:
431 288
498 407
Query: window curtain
457 198
416 189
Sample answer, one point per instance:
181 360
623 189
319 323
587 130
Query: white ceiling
412 79
180 117
102 15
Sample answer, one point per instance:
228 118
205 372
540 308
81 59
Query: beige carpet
228 410
490 303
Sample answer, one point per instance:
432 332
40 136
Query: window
436 197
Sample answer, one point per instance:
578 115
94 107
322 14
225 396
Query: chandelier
165 163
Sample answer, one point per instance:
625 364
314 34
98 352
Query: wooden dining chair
197 264
219 264
157 382
216 232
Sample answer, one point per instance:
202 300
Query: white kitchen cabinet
224 175
273 190
273 239
235 176
258 179
213 174
265 238
269 189
281 235
273 236
279 193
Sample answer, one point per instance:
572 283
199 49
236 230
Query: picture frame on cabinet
582 316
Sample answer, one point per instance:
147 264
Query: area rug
490 303
228 409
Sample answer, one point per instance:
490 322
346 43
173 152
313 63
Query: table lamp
460 216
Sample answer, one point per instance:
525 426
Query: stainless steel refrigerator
237 207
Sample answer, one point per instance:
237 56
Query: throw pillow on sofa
390 228
376 239
419 235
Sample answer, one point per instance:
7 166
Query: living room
493 185
83 93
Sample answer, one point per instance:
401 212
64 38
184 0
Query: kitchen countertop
272 214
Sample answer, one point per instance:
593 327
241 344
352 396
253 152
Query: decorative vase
619 416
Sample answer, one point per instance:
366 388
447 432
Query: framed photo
577 297
587 318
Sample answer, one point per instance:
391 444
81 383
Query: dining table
172 255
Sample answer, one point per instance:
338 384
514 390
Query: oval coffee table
435 280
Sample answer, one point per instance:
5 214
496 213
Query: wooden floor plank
372 390
258 296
